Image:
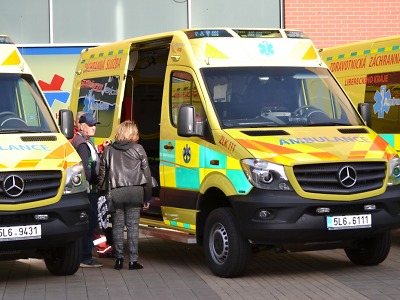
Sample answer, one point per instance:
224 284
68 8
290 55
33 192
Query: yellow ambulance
252 141
369 72
43 201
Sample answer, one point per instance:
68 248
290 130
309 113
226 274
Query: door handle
168 146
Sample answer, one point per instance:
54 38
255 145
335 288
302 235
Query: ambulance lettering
224 142
355 81
24 147
104 64
324 139
94 66
384 60
350 64
113 63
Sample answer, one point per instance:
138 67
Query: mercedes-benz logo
347 176
13 185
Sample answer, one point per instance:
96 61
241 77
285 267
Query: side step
168 234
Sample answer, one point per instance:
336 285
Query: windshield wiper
19 131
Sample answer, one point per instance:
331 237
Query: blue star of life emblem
186 154
265 48
382 104
89 101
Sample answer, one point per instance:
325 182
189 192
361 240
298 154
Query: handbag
109 201
105 206
103 214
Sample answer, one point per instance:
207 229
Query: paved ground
177 271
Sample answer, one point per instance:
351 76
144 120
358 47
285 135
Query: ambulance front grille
326 178
24 187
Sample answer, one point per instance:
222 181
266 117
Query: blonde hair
127 131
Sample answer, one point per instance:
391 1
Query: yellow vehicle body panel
248 135
369 73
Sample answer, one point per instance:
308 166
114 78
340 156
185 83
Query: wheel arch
214 193
212 199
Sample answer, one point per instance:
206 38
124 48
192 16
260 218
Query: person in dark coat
124 170
90 161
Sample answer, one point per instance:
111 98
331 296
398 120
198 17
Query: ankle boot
135 266
119 262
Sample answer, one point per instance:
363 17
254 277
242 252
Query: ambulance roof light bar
5 39
246 33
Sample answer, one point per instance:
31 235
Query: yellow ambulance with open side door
252 141
43 201
369 72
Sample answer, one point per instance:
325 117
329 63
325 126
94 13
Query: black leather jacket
127 165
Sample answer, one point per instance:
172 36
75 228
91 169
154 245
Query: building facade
330 23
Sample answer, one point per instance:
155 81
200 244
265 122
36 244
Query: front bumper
64 224
294 223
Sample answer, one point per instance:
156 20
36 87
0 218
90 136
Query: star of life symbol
384 101
266 49
186 154
91 104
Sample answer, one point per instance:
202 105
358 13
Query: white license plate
348 222
26 232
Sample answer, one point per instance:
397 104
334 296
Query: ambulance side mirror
66 123
365 112
187 125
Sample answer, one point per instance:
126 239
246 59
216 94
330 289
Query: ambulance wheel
226 251
371 251
64 260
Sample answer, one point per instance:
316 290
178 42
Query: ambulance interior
142 103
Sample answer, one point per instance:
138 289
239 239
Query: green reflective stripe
239 181
363 52
388 138
209 160
103 54
179 224
206 163
187 178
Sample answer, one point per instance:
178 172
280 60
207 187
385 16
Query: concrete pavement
174 270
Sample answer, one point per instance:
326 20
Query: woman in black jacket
124 170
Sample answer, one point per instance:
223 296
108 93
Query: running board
168 234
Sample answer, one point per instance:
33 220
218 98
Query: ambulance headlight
394 175
75 179
266 175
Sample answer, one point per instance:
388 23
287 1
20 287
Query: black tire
226 251
64 260
371 251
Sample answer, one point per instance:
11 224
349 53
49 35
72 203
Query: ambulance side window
183 91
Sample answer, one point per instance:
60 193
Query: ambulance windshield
278 96
22 108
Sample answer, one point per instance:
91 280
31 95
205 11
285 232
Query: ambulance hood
41 152
288 146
